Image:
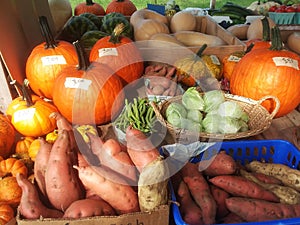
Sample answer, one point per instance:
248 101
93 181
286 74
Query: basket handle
275 99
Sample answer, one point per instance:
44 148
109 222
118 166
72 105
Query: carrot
240 186
220 196
200 191
140 148
221 165
109 186
260 210
62 181
189 210
40 165
112 156
88 207
30 205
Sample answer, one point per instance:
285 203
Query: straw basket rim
260 118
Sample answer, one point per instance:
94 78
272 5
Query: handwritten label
107 52
233 58
215 60
286 61
24 114
80 83
53 60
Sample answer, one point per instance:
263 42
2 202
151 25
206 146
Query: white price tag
233 58
24 114
286 61
215 60
80 83
53 60
108 51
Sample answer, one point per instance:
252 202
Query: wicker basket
259 120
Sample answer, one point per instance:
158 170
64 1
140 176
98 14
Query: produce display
76 144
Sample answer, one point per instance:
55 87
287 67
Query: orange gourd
89 93
22 146
10 191
89 7
121 54
46 60
34 149
30 114
274 71
125 7
7 136
12 166
7 213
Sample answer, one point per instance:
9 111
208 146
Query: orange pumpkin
89 93
10 191
7 213
125 7
273 71
12 166
119 53
89 7
46 60
22 146
30 114
7 136
34 149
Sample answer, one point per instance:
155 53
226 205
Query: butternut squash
143 14
162 39
194 38
255 29
293 41
183 21
239 30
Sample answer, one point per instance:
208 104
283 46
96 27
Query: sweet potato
30 205
88 207
231 218
240 186
190 211
220 196
284 193
223 164
153 185
266 178
140 148
40 165
62 181
200 191
111 187
289 176
260 210
111 155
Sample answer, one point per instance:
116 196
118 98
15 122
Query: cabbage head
212 100
195 115
228 125
230 109
192 99
175 113
210 123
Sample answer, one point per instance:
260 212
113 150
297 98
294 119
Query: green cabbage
191 99
175 113
212 100
191 125
210 123
194 115
228 125
230 109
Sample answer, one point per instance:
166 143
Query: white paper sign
24 114
80 83
286 61
53 60
107 52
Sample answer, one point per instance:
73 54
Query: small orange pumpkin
10 191
7 213
7 136
22 146
12 166
34 149
274 71
121 54
125 7
30 114
89 7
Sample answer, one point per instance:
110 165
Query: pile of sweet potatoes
227 192
75 179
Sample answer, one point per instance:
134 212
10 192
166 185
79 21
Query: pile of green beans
139 114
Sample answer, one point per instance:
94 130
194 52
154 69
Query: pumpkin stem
120 1
26 94
276 42
89 2
201 50
49 39
83 60
115 36
266 29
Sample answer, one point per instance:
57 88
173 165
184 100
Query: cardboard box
205 24
156 217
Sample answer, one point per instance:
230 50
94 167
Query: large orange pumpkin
7 136
125 7
121 54
89 7
30 114
273 71
46 60
89 93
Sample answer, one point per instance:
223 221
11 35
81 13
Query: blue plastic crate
272 151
